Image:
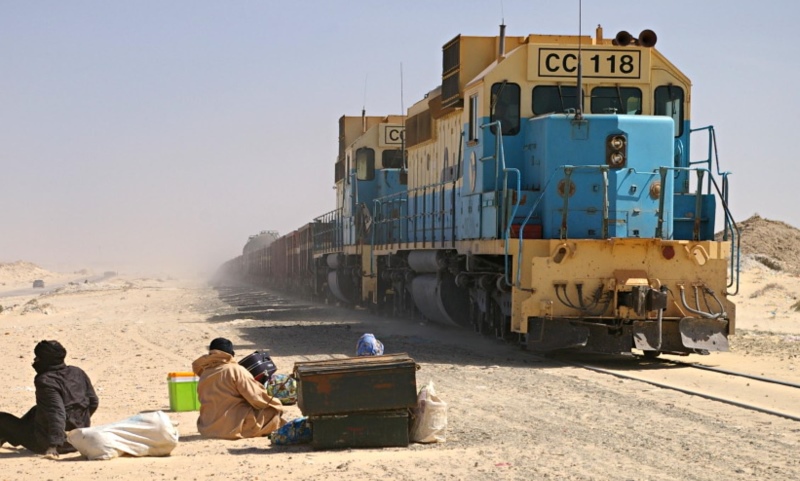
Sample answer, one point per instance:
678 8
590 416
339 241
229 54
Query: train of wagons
514 202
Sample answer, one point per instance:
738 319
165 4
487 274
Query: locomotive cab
370 165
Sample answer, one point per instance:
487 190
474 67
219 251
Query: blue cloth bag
296 431
369 346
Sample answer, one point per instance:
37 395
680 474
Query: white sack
430 417
145 434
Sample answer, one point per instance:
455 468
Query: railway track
748 391
734 373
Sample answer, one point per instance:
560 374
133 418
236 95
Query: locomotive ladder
504 221
731 229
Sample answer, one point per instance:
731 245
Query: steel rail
689 391
734 373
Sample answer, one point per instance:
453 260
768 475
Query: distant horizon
130 268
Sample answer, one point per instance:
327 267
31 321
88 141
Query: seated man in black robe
65 400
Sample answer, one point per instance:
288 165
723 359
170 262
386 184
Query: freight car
543 193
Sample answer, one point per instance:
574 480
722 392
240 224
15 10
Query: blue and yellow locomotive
538 201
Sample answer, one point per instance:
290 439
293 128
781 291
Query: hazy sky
138 133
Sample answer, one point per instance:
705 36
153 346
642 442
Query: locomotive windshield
554 99
617 100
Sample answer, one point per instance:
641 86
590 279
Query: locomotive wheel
480 321
495 318
485 326
475 317
651 354
505 331
500 324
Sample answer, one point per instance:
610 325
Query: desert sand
511 415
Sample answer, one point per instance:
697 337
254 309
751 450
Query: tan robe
233 405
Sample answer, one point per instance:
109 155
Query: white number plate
563 62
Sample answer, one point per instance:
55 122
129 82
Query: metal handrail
713 152
518 282
729 222
335 228
500 164
713 155
403 197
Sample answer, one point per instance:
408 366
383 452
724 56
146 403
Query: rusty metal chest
360 430
356 384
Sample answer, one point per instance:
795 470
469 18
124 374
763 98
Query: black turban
222 344
50 352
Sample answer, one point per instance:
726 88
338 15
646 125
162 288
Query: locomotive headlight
616 151
617 142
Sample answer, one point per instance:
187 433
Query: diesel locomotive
544 192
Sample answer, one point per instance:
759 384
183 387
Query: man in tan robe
233 405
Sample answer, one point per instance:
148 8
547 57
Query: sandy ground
511 415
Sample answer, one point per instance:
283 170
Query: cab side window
473 119
365 164
669 102
505 107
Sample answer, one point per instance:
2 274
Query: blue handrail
713 153
730 224
499 156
